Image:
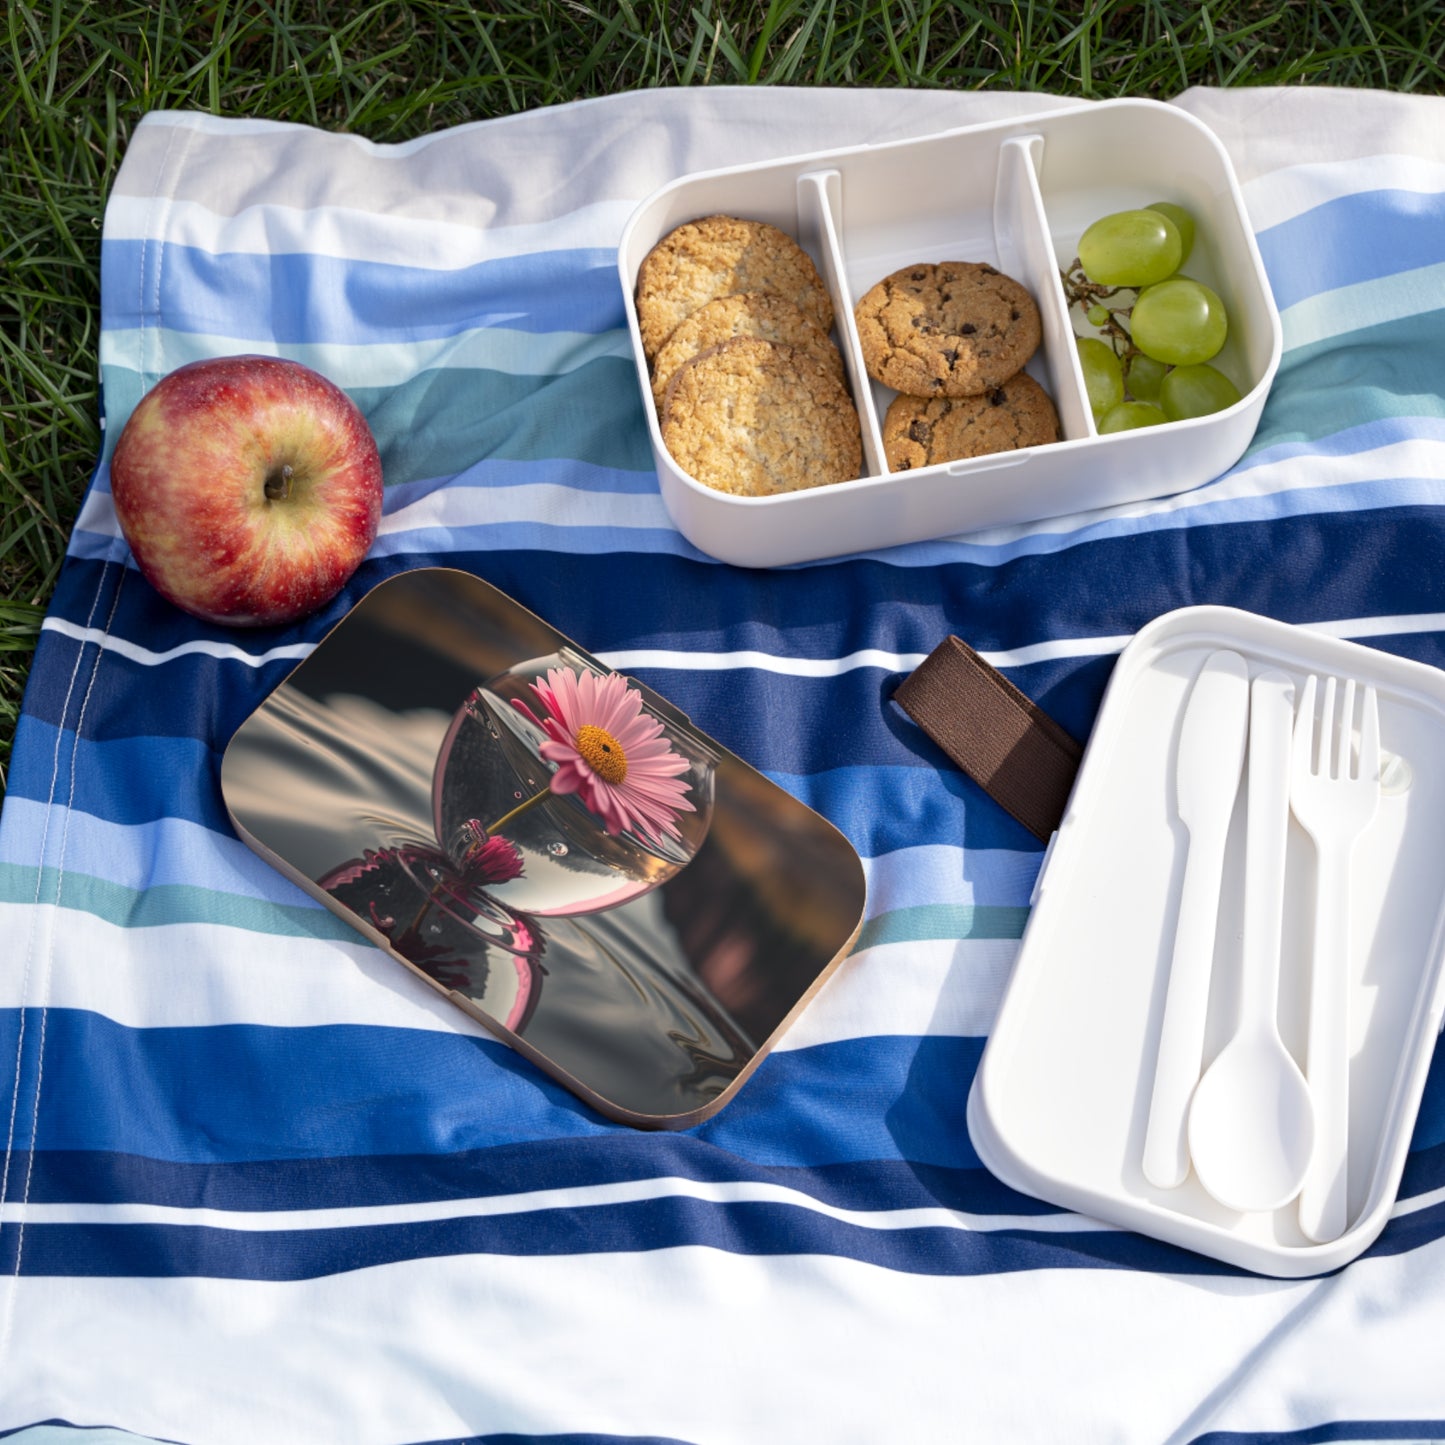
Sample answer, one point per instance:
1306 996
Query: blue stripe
1342 565
127 780
755 1229
56 1431
617 1157
1350 239
1417 1432
207 1095
146 779
299 297
210 1093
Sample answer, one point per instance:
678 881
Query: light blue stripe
174 852
299 298
78 1435
913 876
1353 238
161 854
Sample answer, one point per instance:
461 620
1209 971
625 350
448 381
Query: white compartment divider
820 226
1021 233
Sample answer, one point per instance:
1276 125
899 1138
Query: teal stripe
439 423
1375 374
942 920
167 903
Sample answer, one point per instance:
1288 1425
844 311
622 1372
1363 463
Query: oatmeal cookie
753 418
956 328
716 256
918 432
748 313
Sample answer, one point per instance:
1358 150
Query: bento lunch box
1016 195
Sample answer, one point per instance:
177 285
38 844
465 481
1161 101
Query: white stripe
1419 457
306 136
697 1343
924 988
634 659
1418 1202
354 366
1419 462
203 647
196 975
545 502
453 507
427 243
591 1196
185 975
1362 305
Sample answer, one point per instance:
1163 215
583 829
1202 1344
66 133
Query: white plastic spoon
1251 1121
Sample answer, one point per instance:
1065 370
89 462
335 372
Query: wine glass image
558 790
574 791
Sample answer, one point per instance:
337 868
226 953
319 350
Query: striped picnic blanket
260 1184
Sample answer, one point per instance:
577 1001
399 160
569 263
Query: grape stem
1081 292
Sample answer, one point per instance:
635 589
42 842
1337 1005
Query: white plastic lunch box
1016 195
1060 1105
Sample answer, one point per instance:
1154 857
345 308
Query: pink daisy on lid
610 752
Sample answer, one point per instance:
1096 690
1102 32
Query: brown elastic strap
1009 746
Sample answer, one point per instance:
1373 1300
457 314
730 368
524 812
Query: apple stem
278 484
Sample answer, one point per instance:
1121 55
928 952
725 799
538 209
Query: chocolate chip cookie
749 313
752 417
918 432
717 256
955 328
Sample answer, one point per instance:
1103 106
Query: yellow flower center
602 753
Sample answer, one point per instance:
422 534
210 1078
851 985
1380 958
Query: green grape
1144 376
1179 322
1130 248
1183 223
1131 414
1196 391
1098 315
1103 376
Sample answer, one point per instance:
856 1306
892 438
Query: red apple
248 487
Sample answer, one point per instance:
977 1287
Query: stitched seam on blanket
165 192
48 968
35 924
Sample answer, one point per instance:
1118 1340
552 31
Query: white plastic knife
1210 760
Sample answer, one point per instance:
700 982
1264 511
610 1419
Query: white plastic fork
1334 796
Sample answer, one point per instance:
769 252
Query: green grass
76 77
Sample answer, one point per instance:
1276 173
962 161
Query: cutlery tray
1060 1105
